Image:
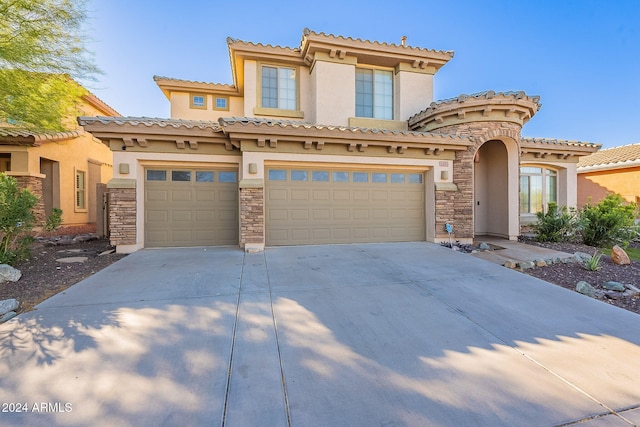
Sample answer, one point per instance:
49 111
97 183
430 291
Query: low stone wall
122 216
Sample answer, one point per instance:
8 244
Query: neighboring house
62 168
336 141
612 170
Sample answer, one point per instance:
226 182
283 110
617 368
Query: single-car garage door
190 207
312 206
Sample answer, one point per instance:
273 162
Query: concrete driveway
342 335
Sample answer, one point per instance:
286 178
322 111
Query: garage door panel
191 213
346 206
157 195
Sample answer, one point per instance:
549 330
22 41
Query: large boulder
9 274
619 256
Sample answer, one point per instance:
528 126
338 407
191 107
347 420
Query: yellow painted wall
73 155
598 184
181 108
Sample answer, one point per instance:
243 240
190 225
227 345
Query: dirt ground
43 276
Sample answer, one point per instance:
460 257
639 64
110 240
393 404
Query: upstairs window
198 101
279 88
374 94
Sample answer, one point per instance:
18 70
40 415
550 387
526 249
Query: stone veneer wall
122 216
34 184
251 216
456 208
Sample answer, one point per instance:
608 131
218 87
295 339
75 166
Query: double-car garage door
333 205
198 207
191 207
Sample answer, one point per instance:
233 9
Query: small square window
228 176
204 176
341 177
360 177
198 101
378 177
221 103
415 178
320 176
299 175
397 178
277 175
156 175
183 176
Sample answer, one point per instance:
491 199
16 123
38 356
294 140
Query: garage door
312 206
190 207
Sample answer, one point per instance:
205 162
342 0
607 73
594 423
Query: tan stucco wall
598 184
73 155
414 93
333 93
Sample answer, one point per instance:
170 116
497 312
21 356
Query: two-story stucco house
338 140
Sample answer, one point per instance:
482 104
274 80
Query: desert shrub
54 220
593 263
557 224
611 221
16 220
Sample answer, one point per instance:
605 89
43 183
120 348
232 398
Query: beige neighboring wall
181 107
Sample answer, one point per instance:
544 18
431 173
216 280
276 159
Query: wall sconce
444 175
253 168
123 168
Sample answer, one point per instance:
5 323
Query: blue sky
581 57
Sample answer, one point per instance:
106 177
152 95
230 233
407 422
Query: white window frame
545 174
376 112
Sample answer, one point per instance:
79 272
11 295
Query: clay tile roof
231 42
19 135
299 124
612 158
191 82
149 122
558 142
307 32
487 94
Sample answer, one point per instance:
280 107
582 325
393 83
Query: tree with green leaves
42 51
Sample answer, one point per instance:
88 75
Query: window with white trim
81 190
374 93
538 187
279 87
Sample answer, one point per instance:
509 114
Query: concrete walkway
341 335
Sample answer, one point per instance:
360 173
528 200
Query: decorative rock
526 265
484 246
613 295
619 256
108 252
9 274
582 257
8 305
633 291
614 286
72 259
569 260
7 316
510 264
586 289
541 263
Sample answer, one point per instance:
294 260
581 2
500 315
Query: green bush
54 220
558 224
611 221
16 220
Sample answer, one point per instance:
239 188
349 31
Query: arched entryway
495 178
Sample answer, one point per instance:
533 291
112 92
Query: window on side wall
279 87
81 190
374 93
198 101
538 187
221 103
